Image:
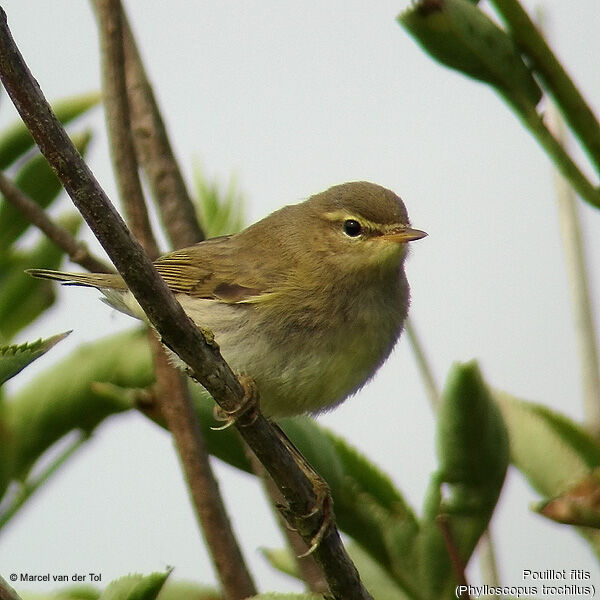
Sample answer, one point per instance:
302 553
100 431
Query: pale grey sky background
294 97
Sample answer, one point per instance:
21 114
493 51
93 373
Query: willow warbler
309 301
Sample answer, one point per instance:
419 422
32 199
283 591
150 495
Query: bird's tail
111 285
102 281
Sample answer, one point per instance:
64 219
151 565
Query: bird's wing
210 270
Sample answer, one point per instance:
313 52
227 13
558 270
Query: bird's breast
306 356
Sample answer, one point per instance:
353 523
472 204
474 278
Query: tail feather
97 280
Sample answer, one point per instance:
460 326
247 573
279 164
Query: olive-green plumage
309 301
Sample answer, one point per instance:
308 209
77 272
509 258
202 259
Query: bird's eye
352 228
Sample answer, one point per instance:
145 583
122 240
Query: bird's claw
248 404
322 504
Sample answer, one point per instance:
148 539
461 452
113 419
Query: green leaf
461 36
473 455
367 505
472 442
73 592
62 398
136 587
16 139
283 560
185 590
220 212
13 359
171 590
377 581
37 180
551 450
22 297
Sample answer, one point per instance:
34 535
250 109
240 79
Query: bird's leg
248 404
323 502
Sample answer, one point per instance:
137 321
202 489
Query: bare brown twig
154 151
174 399
6 592
177 331
118 123
76 250
178 412
453 553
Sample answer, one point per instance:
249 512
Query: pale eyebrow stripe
342 215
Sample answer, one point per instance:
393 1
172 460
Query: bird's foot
320 516
323 508
248 405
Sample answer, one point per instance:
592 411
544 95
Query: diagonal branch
31 210
173 395
177 331
6 592
117 123
154 151
177 409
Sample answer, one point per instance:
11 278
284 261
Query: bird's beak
401 235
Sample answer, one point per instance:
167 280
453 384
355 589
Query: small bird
309 301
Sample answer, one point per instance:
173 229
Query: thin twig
177 331
155 154
118 123
431 386
6 592
457 564
182 420
174 398
577 273
31 210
